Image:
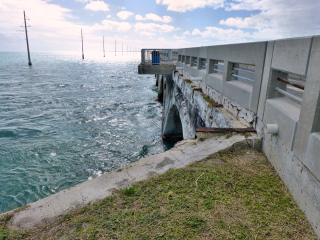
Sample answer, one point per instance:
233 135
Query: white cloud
124 14
109 16
179 37
139 18
150 29
196 31
45 18
249 22
166 42
248 5
189 5
156 18
153 17
83 1
161 39
97 6
227 35
186 33
269 19
112 26
51 28
277 18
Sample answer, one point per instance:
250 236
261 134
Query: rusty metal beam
289 83
225 130
197 89
217 105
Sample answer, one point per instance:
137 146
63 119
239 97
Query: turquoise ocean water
65 120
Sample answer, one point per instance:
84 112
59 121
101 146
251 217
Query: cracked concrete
183 154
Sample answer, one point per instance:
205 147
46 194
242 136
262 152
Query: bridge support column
176 123
160 88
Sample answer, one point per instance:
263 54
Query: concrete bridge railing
166 55
166 60
233 70
278 83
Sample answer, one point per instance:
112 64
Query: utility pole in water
25 28
82 44
104 53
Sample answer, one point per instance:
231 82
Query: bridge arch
173 126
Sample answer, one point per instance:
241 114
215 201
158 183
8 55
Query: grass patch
188 81
5 218
22 208
128 191
207 98
229 195
229 135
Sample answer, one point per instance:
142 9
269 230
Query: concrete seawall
184 153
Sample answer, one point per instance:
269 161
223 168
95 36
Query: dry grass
230 195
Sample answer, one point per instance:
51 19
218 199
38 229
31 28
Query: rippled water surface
65 120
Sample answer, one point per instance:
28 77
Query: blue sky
56 24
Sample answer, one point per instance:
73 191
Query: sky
55 25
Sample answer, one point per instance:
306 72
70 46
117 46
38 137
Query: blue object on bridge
155 57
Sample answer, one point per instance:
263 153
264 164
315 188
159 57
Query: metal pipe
289 95
195 63
243 70
271 129
289 83
248 79
217 70
219 65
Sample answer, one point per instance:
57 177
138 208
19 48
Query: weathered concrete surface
185 103
231 114
292 55
184 153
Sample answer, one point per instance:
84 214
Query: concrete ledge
183 154
156 69
193 71
239 92
214 80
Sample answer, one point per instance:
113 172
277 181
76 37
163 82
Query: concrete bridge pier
160 87
181 117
